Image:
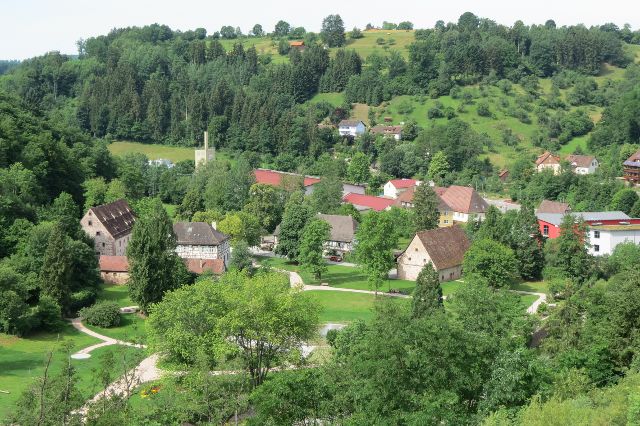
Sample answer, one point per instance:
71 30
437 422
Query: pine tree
55 275
427 296
527 244
154 266
426 214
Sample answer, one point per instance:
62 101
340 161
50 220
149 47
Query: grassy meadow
156 151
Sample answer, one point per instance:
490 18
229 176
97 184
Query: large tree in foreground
261 321
492 261
427 296
376 240
153 264
55 275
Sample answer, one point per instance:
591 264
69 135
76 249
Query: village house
548 161
631 169
291 181
547 206
368 202
351 128
110 226
444 248
394 132
114 269
583 164
395 187
343 233
457 204
605 230
201 244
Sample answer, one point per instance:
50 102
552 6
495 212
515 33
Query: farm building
547 206
583 164
548 161
394 132
395 187
114 269
368 202
200 241
110 226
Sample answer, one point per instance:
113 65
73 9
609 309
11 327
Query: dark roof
556 218
547 206
114 264
580 160
199 266
343 228
117 217
446 246
386 130
350 123
198 234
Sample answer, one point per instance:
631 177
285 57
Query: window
103 245
97 233
415 249
596 248
545 230
442 278
424 260
90 223
596 234
446 221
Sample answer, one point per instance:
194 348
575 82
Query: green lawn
340 306
339 276
527 300
131 329
116 293
570 147
155 151
393 40
532 286
335 99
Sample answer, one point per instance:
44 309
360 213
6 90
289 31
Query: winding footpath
106 341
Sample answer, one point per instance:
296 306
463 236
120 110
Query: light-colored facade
395 187
351 128
201 241
192 251
110 226
548 161
415 257
604 239
203 156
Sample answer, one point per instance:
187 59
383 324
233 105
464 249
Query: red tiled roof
386 130
198 266
403 183
406 196
547 155
296 43
274 177
374 203
114 264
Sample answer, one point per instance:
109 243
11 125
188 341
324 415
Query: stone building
110 226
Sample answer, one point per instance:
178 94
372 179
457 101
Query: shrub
101 314
435 113
82 299
49 314
483 110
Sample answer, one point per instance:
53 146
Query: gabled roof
369 201
343 228
386 130
199 266
116 217
113 264
403 183
446 246
274 177
556 218
581 160
634 160
198 234
296 43
462 199
406 196
547 206
547 156
350 123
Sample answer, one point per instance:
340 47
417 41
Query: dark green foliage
568 252
624 200
425 213
241 257
492 261
296 215
427 296
310 253
154 266
55 275
102 314
332 32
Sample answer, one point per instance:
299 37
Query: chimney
206 145
214 225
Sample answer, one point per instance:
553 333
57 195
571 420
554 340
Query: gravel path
106 340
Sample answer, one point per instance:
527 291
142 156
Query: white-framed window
596 248
446 221
596 234
545 230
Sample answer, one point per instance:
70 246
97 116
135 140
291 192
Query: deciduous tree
310 258
425 208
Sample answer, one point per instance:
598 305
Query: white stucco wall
609 239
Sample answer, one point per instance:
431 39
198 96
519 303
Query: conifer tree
55 275
154 266
426 214
427 296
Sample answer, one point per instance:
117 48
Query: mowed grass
339 276
335 99
393 40
342 307
153 151
116 293
131 329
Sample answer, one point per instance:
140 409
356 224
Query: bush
483 110
82 299
101 314
434 113
49 314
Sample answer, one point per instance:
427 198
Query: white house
201 241
342 234
351 128
603 239
395 187
161 162
583 164
548 161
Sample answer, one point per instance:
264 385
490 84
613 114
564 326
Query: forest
466 358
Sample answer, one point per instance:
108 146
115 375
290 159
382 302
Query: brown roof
547 206
114 264
503 173
463 199
198 234
343 228
296 43
386 130
116 217
580 160
633 161
547 156
199 266
406 196
446 246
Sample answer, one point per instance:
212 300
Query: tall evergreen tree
527 245
427 296
55 275
425 212
296 215
154 266
572 256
